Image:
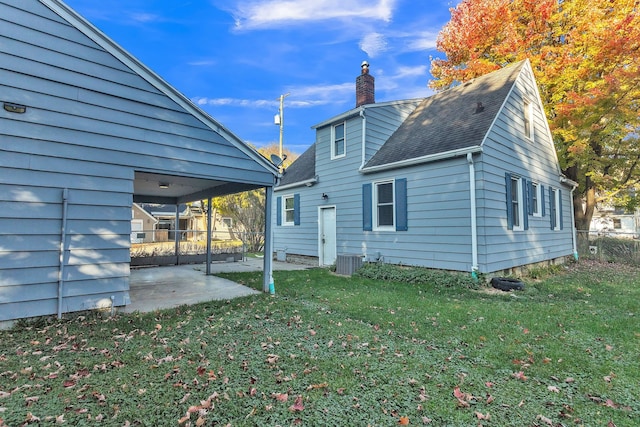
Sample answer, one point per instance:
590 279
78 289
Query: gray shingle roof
454 119
302 169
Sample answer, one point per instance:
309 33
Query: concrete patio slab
153 288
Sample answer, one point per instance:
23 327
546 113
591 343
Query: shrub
416 275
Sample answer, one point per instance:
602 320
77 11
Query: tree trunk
584 200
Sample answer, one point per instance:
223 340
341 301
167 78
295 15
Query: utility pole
279 120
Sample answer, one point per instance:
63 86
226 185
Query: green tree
585 57
247 209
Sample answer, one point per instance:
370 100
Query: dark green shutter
507 178
296 209
401 205
279 210
367 218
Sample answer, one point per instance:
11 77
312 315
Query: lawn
329 350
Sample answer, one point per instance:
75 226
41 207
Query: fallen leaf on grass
403 421
298 405
520 376
281 397
482 416
544 420
553 389
317 386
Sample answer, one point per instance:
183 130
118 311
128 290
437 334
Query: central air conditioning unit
347 264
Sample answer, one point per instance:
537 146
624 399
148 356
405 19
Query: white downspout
63 249
574 236
364 129
474 231
573 225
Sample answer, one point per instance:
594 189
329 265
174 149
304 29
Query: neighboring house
466 179
85 131
143 225
615 222
153 222
190 222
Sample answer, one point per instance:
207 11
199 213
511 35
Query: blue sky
234 58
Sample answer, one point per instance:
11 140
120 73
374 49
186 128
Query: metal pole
267 284
63 249
176 234
281 113
209 228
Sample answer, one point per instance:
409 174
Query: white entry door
327 235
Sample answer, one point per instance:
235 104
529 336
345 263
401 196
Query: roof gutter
306 183
423 159
569 182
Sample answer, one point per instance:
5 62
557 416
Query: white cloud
278 13
234 102
203 63
373 44
146 17
423 41
300 97
417 71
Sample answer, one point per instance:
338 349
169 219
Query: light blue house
86 130
466 180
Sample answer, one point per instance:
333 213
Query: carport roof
184 187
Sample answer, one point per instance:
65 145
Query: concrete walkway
153 288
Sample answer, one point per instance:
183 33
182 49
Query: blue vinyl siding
94 119
437 195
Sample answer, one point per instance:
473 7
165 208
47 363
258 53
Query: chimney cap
364 64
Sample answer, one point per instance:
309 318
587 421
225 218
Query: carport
86 130
175 190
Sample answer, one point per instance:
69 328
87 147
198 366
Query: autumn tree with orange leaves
586 58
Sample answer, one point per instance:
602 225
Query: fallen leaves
519 376
297 405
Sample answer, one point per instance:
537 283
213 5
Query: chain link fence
609 246
159 247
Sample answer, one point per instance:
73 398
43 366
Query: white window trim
333 140
556 196
284 210
528 117
377 227
520 226
537 188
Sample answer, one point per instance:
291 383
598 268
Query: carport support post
209 227
175 233
268 241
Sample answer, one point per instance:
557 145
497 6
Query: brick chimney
365 87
